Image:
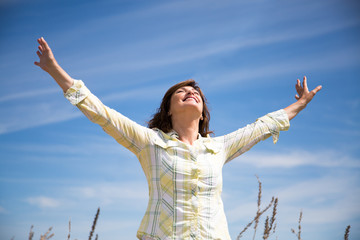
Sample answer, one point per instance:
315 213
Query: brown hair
162 120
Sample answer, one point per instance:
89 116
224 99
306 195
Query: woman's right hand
48 63
47 59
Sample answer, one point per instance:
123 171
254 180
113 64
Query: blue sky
246 56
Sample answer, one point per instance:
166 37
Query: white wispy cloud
93 144
186 44
332 60
28 94
198 50
328 61
180 46
38 117
32 115
316 191
43 202
141 93
324 200
110 192
345 210
299 157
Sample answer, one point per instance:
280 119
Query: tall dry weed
69 229
269 228
47 235
259 212
270 225
94 224
258 206
31 234
298 234
346 235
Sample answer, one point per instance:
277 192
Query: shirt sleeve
125 131
240 141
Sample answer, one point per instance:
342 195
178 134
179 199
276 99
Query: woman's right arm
49 64
128 133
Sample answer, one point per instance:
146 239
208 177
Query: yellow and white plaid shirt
185 181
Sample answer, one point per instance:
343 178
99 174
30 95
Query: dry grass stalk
255 218
45 236
346 236
31 234
69 229
94 224
267 228
258 213
270 224
298 234
258 206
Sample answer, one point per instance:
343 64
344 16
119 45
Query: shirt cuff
276 122
77 92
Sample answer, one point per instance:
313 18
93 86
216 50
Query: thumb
318 88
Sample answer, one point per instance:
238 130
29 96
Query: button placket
194 193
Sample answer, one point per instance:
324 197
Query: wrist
301 103
53 66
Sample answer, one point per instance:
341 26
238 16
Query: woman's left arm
303 97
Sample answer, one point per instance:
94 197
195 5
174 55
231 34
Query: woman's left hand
303 97
303 94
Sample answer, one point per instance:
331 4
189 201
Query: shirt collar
207 142
173 134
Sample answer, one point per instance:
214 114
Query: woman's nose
191 91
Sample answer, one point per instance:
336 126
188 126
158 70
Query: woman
182 163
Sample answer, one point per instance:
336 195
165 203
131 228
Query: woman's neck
187 129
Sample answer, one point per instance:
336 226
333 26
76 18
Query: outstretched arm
128 133
48 63
303 97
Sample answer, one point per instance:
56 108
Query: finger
40 48
46 46
37 63
297 97
38 53
305 84
41 44
40 41
297 85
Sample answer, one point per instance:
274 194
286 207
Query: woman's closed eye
183 90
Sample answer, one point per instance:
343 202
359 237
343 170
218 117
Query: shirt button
195 173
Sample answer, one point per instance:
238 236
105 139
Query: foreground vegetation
269 224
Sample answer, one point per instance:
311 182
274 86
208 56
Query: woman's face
186 99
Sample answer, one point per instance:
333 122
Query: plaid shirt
185 181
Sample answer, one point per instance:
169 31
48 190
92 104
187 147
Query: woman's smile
191 98
188 93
